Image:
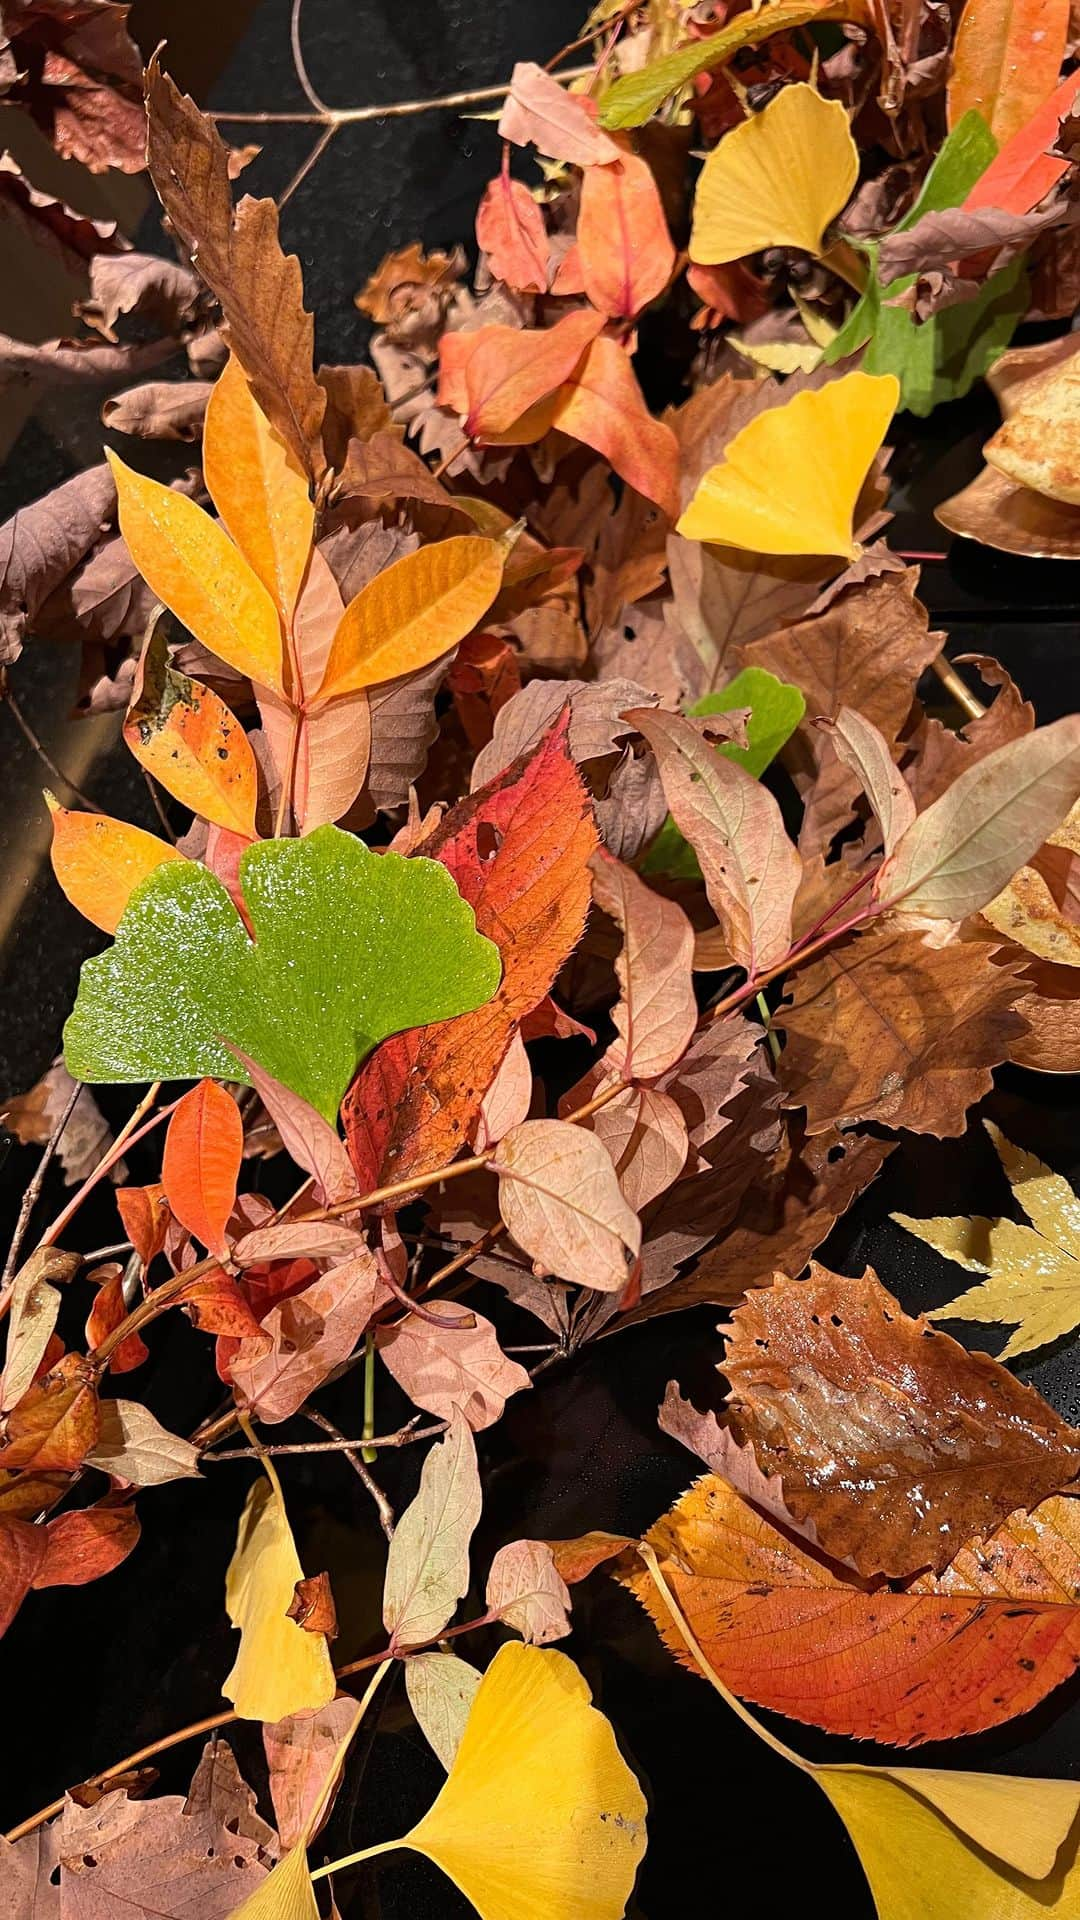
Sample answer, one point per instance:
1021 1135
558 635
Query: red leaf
145 1214
106 1313
411 1105
203 1151
601 404
22 1550
1024 170
495 376
80 1547
510 230
627 254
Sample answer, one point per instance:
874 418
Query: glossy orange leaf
495 376
258 489
949 1655
627 253
1006 59
193 567
1025 169
510 230
412 612
145 1214
183 734
99 861
106 1314
204 1147
603 406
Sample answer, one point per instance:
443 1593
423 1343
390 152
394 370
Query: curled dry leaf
41 546
527 1592
559 1197
159 410
837 1389
34 1307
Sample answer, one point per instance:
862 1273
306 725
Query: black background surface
88 1675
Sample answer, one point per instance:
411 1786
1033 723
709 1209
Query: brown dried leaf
41 545
299 1753
313 1606
896 1443
159 410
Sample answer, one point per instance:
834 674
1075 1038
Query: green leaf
634 98
776 709
349 946
942 358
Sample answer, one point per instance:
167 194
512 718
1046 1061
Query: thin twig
129 1133
402 1438
307 166
299 63
30 1197
42 752
393 110
158 804
385 1510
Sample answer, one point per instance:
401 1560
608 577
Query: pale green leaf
441 1690
350 946
427 1568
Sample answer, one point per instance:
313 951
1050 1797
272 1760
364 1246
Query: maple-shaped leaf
1032 1272
519 851
895 1441
948 1655
349 946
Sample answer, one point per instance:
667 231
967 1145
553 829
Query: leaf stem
369 1455
30 1197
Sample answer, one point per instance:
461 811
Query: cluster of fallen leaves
568 878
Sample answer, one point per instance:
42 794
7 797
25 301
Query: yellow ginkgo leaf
188 560
285 1894
412 612
790 480
257 488
540 1817
99 861
279 1668
776 180
936 1845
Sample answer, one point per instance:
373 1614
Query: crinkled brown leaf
41 545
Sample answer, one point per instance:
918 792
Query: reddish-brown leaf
22 1550
105 1315
302 1338
299 1754
519 852
55 1425
896 1443
204 1148
510 230
145 1214
313 1605
949 1655
80 1547
627 253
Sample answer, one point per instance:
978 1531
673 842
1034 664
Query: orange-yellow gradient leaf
257 488
191 742
188 560
778 179
790 479
98 861
1007 57
540 1817
497 375
279 1668
603 406
412 612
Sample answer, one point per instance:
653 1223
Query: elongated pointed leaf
204 1147
427 1569
258 489
99 861
184 735
412 612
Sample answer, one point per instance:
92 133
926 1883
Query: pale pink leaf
133 1447
297 1240
427 1567
306 1136
441 1690
443 1368
541 113
507 1100
864 748
300 1752
527 1591
657 1010
645 1134
310 1333
751 870
559 1196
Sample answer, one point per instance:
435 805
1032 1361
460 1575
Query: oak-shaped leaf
895 1441
349 946
1032 1273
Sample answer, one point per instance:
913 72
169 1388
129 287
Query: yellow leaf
285 1894
257 488
936 1845
188 560
791 478
412 612
279 1668
1032 1272
540 1817
776 180
99 861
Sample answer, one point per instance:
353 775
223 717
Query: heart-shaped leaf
349 946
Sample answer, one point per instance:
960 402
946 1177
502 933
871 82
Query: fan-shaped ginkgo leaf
790 479
280 1667
98 861
776 180
188 560
540 1817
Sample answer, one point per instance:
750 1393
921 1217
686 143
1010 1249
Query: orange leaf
145 1214
603 406
183 734
258 489
191 564
412 612
1025 170
510 230
497 374
627 254
80 1547
204 1147
106 1314
99 861
1006 59
55 1425
950 1655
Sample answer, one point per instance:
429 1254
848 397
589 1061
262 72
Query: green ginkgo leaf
349 946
